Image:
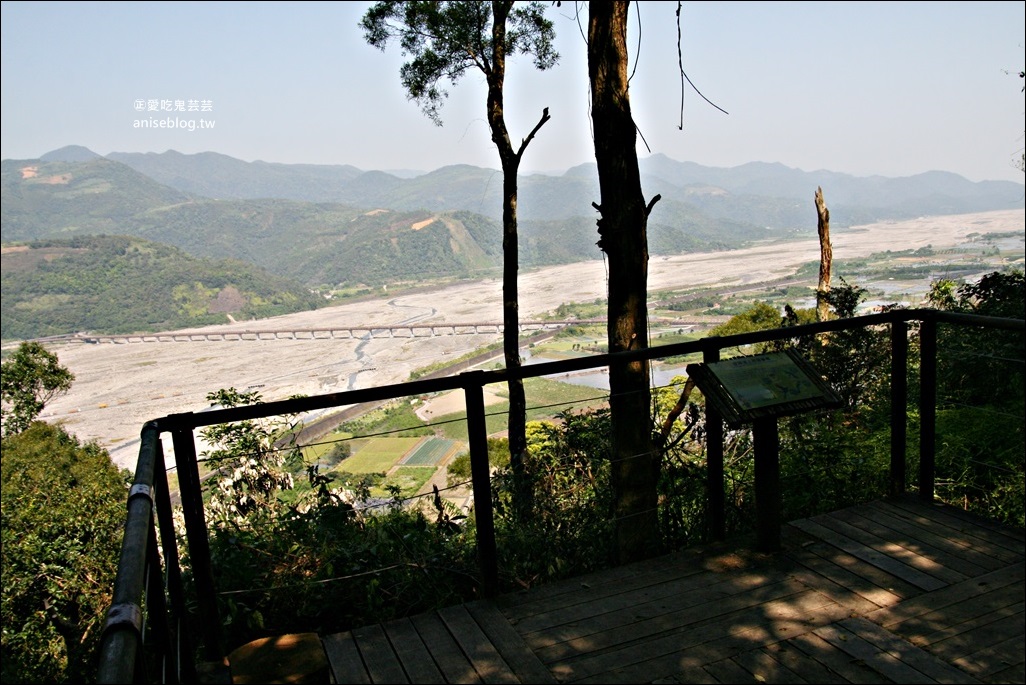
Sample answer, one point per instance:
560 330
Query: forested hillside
47 199
116 284
329 245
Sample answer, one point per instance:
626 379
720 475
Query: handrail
122 640
122 644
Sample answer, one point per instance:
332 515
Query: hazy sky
889 88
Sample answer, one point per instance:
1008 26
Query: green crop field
429 453
545 398
378 455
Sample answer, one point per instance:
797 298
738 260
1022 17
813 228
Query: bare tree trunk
623 237
510 158
826 257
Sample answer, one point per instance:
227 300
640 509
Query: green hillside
117 284
436 226
59 199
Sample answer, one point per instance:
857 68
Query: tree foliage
447 39
29 379
289 543
63 510
976 373
980 387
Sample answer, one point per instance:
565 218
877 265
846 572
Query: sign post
758 390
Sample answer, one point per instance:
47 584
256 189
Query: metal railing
148 592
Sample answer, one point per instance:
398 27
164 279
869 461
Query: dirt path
120 387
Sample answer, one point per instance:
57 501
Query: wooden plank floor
883 592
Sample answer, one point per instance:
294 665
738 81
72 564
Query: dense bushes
980 382
321 557
63 510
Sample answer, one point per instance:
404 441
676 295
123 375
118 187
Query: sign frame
746 390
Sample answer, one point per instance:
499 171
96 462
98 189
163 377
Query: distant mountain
219 176
43 199
761 194
71 153
393 238
118 284
852 200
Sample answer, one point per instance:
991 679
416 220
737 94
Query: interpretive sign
758 390
746 389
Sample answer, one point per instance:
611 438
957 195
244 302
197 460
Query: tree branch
682 403
526 141
651 204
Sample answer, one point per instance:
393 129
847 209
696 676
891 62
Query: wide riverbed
119 387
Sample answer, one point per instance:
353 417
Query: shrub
63 512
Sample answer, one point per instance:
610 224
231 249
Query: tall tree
622 228
445 40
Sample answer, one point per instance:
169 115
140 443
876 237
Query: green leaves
29 379
62 512
446 39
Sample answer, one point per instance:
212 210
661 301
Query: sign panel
745 389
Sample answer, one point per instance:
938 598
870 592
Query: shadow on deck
884 592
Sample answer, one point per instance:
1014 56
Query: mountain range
339 228
770 195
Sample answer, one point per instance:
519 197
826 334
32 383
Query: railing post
899 407
714 462
199 544
173 573
480 473
157 614
767 484
927 408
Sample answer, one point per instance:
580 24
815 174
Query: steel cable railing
131 645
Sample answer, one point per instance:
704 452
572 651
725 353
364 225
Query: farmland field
379 455
409 479
430 452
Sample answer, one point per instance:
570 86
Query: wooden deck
883 592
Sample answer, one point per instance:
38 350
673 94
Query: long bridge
412 330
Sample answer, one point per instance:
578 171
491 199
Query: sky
864 88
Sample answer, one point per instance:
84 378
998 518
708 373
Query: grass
410 480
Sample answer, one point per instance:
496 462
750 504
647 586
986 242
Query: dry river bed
119 387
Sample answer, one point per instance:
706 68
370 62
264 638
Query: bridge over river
411 330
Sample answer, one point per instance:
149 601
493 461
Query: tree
249 457
622 228
445 40
963 370
29 379
826 257
62 513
